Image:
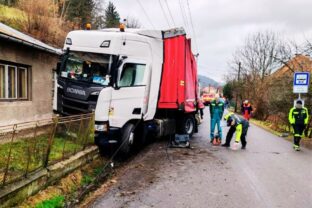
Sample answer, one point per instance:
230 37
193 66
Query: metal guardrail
31 146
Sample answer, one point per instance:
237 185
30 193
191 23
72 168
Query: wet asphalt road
267 174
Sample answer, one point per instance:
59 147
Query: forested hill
206 81
51 20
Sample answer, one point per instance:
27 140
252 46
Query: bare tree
98 14
286 55
132 22
257 55
257 62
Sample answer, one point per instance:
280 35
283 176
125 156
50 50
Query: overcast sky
222 25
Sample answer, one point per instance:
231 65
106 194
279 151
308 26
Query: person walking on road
216 108
246 109
238 125
298 117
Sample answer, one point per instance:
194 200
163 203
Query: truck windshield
87 67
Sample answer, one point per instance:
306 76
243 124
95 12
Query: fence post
29 151
89 130
66 137
79 133
50 142
9 156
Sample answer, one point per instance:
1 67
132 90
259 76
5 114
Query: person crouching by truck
298 117
238 125
246 109
216 108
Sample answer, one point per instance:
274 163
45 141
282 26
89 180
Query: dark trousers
232 131
298 131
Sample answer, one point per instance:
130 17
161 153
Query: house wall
40 103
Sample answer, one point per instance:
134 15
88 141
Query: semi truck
141 83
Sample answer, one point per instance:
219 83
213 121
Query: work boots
216 141
296 147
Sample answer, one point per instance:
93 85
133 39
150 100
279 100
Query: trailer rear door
179 76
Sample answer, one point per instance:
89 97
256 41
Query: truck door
129 99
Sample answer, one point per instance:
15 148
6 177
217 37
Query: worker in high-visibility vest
298 117
238 125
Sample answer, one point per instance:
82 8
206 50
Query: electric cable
192 24
184 17
174 24
163 10
145 13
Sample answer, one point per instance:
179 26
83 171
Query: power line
184 17
192 24
145 13
174 24
163 10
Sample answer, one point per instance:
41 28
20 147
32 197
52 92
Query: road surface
267 174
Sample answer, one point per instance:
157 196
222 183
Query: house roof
9 33
298 63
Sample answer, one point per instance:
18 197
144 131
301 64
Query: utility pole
238 78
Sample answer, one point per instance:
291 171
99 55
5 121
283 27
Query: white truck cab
128 86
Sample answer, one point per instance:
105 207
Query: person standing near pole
246 109
216 108
298 117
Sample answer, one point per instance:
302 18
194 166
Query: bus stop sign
301 82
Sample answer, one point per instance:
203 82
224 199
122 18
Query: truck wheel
127 139
187 125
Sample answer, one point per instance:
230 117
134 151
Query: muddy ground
267 174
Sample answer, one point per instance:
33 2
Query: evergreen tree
228 90
111 16
8 2
80 11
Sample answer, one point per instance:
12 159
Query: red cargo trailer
179 77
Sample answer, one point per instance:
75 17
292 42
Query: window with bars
14 82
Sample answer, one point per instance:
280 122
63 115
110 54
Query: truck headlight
101 126
95 93
59 86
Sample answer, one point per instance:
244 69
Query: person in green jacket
298 117
216 108
238 125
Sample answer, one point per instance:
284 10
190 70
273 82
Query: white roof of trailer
151 33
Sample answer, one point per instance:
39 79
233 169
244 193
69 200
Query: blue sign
301 82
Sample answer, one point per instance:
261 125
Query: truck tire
127 139
187 125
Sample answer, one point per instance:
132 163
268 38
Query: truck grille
73 106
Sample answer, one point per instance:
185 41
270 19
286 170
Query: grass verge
30 154
68 191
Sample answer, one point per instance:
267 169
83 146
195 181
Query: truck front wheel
127 139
